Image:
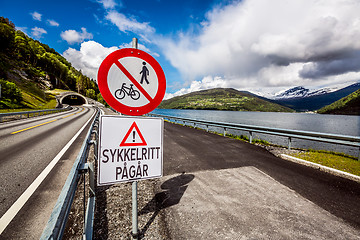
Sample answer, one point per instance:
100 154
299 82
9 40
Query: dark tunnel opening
73 100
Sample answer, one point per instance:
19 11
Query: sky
254 45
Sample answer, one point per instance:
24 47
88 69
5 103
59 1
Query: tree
7 37
90 93
100 99
10 92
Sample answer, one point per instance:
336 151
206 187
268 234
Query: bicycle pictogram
129 91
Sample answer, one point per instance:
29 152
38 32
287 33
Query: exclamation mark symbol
133 136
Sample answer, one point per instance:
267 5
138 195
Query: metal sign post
134 184
131 149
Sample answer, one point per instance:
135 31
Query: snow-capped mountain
308 99
301 92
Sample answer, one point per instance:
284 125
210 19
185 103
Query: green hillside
222 99
28 68
349 105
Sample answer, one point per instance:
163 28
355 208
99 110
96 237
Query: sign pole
134 185
133 83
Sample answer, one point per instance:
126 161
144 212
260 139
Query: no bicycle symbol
131 81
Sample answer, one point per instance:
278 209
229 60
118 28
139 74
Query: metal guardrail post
289 143
250 136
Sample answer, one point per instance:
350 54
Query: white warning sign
129 149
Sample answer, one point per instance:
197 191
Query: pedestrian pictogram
144 73
131 81
133 137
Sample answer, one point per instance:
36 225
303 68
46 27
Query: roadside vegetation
335 160
349 105
28 68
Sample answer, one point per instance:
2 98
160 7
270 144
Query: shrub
10 94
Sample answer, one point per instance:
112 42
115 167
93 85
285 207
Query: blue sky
256 45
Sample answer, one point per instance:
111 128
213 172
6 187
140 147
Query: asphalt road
258 195
27 147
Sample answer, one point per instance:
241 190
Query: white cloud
36 16
72 36
271 43
141 47
38 32
207 82
89 57
108 4
53 23
126 24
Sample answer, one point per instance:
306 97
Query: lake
325 123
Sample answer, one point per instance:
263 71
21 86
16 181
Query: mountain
30 67
222 99
302 99
349 105
293 93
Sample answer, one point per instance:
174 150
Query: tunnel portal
73 99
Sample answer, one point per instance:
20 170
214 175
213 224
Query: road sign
131 81
129 149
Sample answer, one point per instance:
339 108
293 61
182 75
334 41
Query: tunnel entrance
73 100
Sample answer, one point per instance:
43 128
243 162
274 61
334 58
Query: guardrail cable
34 113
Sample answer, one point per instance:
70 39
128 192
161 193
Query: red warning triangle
129 139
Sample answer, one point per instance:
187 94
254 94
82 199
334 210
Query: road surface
27 147
221 188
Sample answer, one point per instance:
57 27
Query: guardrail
353 141
33 113
57 221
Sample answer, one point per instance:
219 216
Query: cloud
36 16
126 24
72 36
38 32
89 57
331 67
207 82
108 4
53 23
141 47
271 43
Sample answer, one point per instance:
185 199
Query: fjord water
324 123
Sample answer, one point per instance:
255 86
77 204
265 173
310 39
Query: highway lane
28 146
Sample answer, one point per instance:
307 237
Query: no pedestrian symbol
131 81
129 148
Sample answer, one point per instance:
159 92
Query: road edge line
320 167
25 196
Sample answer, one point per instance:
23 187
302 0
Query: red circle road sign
131 81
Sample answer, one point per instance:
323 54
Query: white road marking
20 202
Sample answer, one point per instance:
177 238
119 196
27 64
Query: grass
335 160
32 102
